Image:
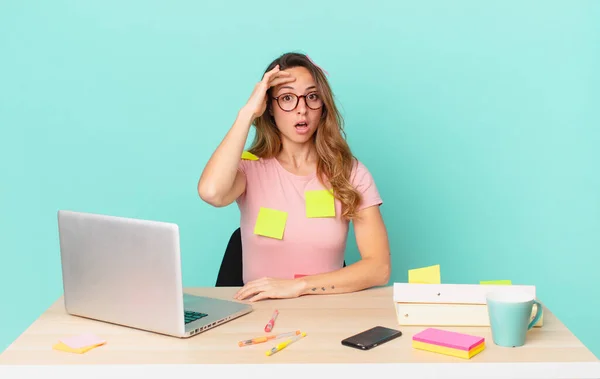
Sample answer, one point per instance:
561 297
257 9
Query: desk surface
327 319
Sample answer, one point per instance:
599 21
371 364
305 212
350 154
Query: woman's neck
299 158
298 155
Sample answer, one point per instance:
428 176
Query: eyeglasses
289 101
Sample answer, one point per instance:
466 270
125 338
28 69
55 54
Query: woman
297 199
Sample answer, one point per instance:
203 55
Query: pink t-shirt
309 245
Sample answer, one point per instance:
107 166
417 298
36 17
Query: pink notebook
447 338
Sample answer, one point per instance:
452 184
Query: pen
271 322
284 344
258 340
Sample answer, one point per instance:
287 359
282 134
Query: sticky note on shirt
426 275
319 203
249 156
270 223
497 282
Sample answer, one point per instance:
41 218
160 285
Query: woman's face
298 108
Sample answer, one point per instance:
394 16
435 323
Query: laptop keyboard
193 316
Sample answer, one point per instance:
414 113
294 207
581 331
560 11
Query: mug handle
538 314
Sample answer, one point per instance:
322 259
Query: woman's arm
372 270
221 182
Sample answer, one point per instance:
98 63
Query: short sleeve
243 166
364 183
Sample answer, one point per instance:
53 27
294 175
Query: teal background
479 121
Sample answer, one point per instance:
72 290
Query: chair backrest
231 270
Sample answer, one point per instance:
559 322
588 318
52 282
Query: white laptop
128 272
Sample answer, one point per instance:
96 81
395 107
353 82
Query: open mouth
301 127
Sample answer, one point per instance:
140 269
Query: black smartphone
370 338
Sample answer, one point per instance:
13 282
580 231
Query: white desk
552 351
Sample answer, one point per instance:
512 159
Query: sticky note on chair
497 282
426 275
249 156
270 223
319 203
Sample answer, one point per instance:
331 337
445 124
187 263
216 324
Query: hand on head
257 103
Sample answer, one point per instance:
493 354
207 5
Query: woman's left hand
269 288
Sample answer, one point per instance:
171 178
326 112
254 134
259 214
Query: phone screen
371 338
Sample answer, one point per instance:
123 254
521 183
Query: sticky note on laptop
319 203
270 223
497 282
249 156
79 344
426 275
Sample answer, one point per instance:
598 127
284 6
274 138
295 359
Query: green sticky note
319 203
426 275
497 282
249 156
270 223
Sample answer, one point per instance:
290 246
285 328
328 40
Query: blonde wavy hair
335 161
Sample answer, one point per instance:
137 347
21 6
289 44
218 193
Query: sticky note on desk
270 223
426 275
79 344
449 343
249 156
497 282
319 203
82 340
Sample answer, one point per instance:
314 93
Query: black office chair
231 270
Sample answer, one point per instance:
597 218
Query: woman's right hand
257 103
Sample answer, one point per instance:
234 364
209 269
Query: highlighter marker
258 340
284 344
271 322
254 341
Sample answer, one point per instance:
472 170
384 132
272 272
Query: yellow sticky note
62 347
270 223
249 156
320 203
427 275
497 282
